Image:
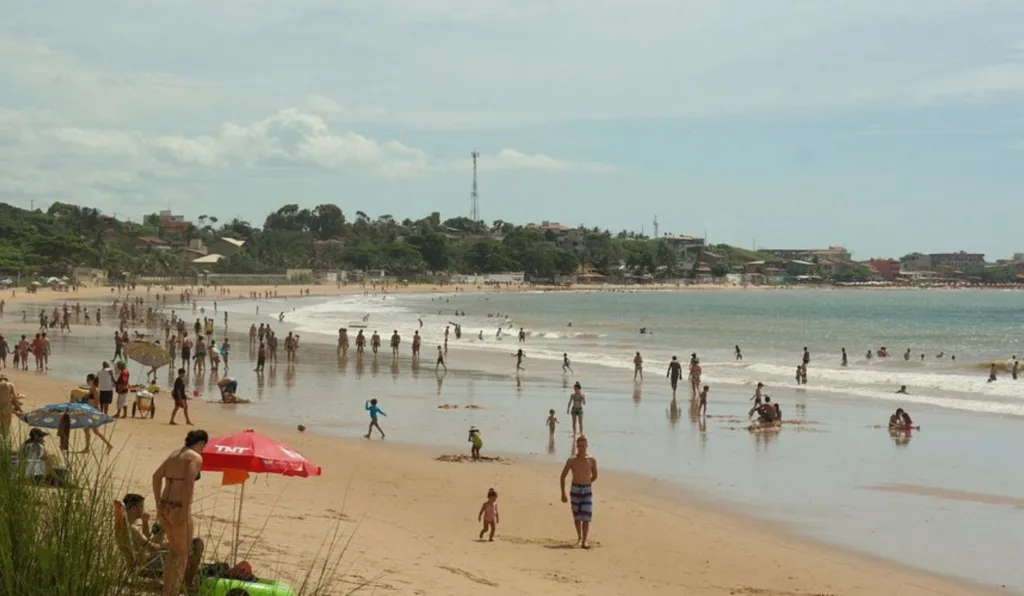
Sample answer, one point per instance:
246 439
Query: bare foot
367 435
172 423
585 546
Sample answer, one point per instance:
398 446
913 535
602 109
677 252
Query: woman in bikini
575 406
173 488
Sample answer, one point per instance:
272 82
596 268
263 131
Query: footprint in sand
473 578
462 458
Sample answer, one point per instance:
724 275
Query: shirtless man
396 341
675 371
416 341
375 342
173 487
638 366
343 342
584 474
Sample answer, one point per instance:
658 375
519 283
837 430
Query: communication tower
474 196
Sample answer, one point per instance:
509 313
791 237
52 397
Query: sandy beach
412 519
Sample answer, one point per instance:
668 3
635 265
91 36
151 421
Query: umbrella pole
238 526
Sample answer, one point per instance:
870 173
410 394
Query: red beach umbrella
249 451
239 454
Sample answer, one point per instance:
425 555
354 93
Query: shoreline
643 528
644 525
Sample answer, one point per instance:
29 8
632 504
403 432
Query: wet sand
665 533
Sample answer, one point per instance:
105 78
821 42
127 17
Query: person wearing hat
476 440
33 455
9 404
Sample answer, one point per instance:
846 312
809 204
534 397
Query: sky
886 126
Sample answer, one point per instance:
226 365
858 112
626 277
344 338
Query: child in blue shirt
371 407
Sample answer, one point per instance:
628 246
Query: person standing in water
702 407
695 373
371 407
844 361
807 357
173 489
416 340
522 335
440 360
1015 368
638 366
575 406
581 494
674 373
567 368
552 421
992 373
739 354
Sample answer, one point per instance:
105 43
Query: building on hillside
916 262
191 254
226 246
173 227
887 269
210 259
151 243
832 253
300 275
547 226
958 262
683 245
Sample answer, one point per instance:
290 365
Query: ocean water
971 329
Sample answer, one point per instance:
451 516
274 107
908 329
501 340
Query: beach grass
62 541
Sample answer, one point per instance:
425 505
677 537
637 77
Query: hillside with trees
323 238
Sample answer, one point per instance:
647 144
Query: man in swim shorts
675 371
581 496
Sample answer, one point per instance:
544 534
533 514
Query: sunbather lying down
144 546
228 386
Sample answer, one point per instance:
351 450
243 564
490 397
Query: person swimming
902 390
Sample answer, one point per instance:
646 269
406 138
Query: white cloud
44 156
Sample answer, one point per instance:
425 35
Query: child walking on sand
477 440
371 407
552 421
489 514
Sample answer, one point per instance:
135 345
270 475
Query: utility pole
655 227
474 196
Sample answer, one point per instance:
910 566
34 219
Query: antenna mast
655 227
474 196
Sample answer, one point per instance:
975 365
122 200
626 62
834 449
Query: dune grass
61 540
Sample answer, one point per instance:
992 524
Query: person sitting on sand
900 420
584 474
489 514
145 545
477 441
769 413
228 391
371 407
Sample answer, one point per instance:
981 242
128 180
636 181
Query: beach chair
144 403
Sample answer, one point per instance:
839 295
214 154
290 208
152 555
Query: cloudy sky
883 125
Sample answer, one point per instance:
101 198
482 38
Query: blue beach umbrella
81 416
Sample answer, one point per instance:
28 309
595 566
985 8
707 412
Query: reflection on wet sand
950 494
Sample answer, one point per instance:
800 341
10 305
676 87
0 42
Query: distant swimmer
421 322
522 335
366 318
280 318
498 334
902 390
992 373
674 373
519 360
739 353
940 355
870 355
883 352
906 355
638 366
480 336
845 362
566 366
575 407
